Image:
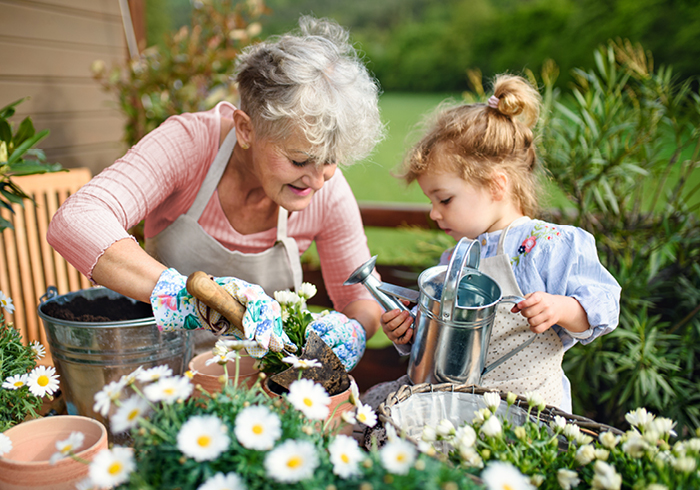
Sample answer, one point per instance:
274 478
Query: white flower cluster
41 381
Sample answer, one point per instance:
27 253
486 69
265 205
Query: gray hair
312 80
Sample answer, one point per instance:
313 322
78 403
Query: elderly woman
240 193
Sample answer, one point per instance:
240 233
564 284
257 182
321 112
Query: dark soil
98 310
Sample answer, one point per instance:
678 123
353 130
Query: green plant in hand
23 383
19 157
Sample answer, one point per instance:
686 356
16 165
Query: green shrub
624 146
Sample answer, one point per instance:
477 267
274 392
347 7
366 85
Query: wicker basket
384 410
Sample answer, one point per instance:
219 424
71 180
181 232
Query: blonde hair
478 140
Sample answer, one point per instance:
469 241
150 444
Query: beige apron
185 246
538 366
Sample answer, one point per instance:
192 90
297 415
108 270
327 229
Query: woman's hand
174 309
543 310
344 335
397 326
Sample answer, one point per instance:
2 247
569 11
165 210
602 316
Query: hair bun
516 97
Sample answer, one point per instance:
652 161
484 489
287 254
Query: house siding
46 50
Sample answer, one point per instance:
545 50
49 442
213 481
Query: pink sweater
158 180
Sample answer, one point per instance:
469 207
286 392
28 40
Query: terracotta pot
337 404
208 376
27 465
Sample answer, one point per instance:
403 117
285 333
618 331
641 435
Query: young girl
478 166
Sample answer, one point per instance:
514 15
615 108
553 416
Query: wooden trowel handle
203 287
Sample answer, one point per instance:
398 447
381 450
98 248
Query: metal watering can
456 310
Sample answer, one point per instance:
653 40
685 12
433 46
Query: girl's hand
543 310
397 326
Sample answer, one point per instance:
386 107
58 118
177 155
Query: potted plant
241 438
28 441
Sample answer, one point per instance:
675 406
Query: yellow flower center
168 391
115 468
133 414
507 487
401 457
203 441
68 448
294 462
362 417
257 429
308 402
344 458
42 380
19 384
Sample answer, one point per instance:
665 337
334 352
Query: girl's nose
434 214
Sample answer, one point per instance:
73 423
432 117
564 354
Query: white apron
538 366
185 246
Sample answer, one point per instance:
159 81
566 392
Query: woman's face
286 172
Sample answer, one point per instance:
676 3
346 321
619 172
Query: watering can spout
363 275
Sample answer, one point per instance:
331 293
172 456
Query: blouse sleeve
567 264
157 173
341 243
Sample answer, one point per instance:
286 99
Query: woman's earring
245 146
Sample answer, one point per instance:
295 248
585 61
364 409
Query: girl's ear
499 186
243 127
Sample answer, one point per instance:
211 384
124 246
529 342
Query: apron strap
290 246
216 170
502 240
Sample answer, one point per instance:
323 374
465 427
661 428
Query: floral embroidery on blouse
541 231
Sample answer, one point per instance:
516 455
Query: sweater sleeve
342 244
155 180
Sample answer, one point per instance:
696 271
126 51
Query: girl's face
459 208
287 174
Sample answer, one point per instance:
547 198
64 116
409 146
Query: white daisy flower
85 484
130 379
605 477
391 433
128 414
558 423
229 481
445 429
583 439
307 290
287 297
67 447
639 418
257 427
534 399
465 436
348 417
203 438
6 303
5 444
238 344
15 382
571 431
38 349
169 390
685 464
398 456
345 456
664 426
354 393
112 467
635 445
309 398
492 427
429 434
365 415
567 479
585 454
43 380
291 461
470 457
608 439
223 358
109 393
493 400
301 364
504 476
154 374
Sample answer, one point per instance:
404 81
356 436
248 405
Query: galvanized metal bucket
89 355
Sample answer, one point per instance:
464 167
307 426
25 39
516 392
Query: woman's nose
318 175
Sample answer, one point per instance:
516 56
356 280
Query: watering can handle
202 286
515 300
467 253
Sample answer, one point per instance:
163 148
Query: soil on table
98 310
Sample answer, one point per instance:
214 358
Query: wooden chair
28 264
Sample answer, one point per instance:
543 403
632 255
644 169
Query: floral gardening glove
345 336
174 309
